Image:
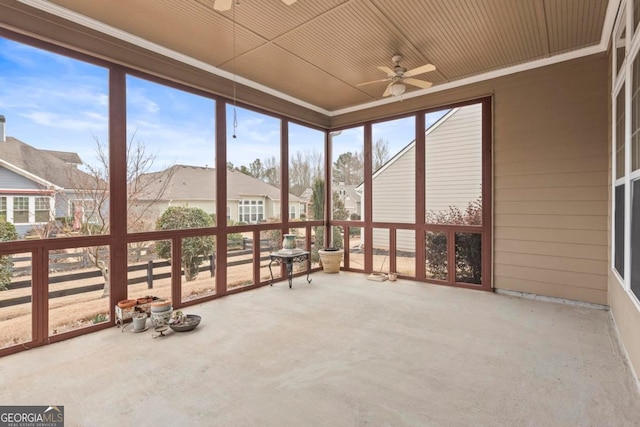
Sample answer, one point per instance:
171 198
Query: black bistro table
289 258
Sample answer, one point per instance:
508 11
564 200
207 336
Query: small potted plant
139 322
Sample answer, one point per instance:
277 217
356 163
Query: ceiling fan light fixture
397 89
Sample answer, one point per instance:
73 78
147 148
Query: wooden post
150 275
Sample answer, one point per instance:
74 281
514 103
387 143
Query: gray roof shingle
43 163
199 183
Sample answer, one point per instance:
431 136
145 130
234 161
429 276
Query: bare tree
304 169
380 153
143 191
271 172
256 169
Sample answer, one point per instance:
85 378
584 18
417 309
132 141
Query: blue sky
56 103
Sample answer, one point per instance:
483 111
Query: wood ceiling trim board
270 26
397 27
597 13
473 57
517 45
319 87
204 28
489 46
543 26
360 62
575 24
425 45
274 40
509 40
246 40
457 22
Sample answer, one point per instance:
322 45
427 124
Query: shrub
468 247
7 232
194 249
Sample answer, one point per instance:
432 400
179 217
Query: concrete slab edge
550 299
623 351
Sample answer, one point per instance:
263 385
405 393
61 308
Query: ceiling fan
398 76
223 5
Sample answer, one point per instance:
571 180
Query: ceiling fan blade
387 91
222 5
419 83
424 69
387 70
289 2
373 81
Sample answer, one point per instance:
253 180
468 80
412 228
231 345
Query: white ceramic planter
331 260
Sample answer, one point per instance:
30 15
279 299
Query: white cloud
93 122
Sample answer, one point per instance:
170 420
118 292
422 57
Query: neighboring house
350 197
347 194
249 200
37 186
307 197
453 168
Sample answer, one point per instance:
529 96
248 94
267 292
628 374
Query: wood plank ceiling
319 50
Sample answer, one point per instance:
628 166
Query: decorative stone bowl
192 320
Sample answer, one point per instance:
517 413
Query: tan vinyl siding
562 250
550 191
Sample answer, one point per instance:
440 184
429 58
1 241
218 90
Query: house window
3 208
251 211
20 210
626 152
228 212
635 238
43 210
620 134
620 46
619 205
619 230
292 211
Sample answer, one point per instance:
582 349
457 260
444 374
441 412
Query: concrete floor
343 351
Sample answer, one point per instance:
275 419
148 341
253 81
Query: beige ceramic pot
331 259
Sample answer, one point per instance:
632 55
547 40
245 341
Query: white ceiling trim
83 20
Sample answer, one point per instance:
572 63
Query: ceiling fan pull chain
235 117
